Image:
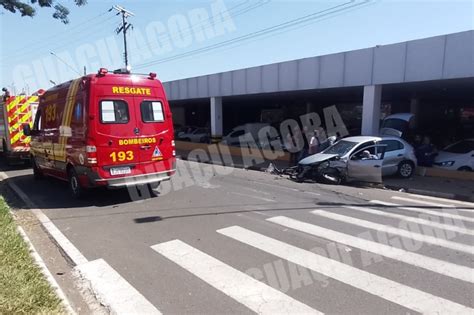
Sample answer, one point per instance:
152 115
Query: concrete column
415 109
371 110
216 119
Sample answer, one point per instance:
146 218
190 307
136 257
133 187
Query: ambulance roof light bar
102 72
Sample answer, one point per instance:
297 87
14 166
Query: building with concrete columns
432 78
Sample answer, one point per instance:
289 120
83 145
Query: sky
185 38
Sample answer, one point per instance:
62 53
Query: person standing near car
425 153
314 143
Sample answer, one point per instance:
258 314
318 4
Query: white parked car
198 135
237 136
458 156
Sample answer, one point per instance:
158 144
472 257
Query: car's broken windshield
340 148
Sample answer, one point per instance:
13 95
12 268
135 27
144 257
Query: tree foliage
27 7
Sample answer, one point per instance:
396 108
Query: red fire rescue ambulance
105 129
15 111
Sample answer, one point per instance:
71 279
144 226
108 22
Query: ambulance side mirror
27 130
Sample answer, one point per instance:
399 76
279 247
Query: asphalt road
200 245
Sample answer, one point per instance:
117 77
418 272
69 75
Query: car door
366 169
394 154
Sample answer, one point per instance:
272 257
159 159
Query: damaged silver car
361 158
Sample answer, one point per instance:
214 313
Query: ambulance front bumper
137 179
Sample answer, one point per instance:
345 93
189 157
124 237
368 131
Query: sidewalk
434 186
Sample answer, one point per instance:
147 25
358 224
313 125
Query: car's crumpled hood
316 158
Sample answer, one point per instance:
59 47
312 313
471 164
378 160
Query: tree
26 7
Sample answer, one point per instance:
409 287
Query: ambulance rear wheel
153 188
37 173
75 187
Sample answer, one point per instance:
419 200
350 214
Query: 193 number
122 156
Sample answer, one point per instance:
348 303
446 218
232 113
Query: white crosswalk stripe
384 288
256 295
423 202
114 291
438 225
428 263
392 230
265 298
438 213
457 202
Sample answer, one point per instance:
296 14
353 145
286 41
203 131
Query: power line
47 46
316 15
213 22
56 35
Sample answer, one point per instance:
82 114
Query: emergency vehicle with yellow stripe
105 129
15 112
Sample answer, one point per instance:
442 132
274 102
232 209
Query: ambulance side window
77 114
114 112
152 111
37 122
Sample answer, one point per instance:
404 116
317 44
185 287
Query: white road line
423 202
257 191
254 197
288 188
453 214
412 219
114 291
312 193
428 263
52 281
276 186
389 290
246 290
392 230
463 203
69 249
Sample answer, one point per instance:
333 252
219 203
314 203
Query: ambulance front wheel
75 187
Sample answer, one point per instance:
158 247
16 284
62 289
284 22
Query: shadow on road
318 205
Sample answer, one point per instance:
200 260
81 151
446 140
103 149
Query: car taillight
91 154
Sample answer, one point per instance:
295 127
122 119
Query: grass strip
23 287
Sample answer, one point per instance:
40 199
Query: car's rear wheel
465 169
37 173
406 169
75 187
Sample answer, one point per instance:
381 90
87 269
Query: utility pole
123 28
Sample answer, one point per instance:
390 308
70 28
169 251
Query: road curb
36 256
431 193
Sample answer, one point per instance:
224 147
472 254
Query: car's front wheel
406 169
465 169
